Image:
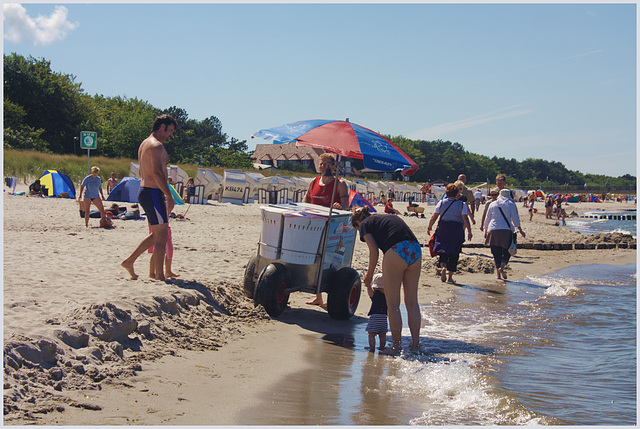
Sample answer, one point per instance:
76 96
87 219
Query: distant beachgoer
112 182
471 199
36 188
532 200
548 206
501 182
93 194
401 265
388 207
425 189
502 214
154 196
452 212
493 194
189 190
378 323
478 197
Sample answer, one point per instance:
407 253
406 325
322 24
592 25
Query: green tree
51 102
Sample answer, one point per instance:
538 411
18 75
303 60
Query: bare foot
504 275
129 267
171 275
315 302
391 351
443 275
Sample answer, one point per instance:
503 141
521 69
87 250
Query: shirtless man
112 182
153 160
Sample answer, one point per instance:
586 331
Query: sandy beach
86 345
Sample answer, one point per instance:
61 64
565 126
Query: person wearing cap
501 215
377 324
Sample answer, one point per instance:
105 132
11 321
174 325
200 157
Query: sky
545 81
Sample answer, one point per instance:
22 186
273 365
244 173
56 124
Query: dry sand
84 344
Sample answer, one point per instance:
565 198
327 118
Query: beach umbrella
346 139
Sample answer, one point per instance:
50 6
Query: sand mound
106 342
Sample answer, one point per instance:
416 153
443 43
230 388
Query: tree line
446 160
46 111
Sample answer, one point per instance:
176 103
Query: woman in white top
498 231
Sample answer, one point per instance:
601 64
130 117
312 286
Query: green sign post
88 141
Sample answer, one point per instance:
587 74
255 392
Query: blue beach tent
57 183
127 191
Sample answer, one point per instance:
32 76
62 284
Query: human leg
149 240
393 267
496 251
410 281
87 207
169 256
372 342
442 261
383 340
98 204
159 250
452 265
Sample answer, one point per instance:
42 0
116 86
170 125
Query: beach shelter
127 191
57 183
357 200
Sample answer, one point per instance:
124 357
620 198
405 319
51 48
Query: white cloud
449 127
19 27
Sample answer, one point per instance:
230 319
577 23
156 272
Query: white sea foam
557 286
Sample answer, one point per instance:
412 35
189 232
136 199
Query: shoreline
90 338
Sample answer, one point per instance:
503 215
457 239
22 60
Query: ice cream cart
304 247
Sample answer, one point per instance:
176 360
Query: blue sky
549 81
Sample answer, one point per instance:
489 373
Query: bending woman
401 264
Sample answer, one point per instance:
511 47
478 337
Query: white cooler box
301 236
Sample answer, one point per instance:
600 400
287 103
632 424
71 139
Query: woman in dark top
401 264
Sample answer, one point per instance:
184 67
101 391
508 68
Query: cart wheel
270 289
249 272
344 294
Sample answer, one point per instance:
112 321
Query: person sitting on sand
106 222
388 207
377 324
36 188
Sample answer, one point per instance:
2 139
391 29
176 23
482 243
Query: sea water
593 222
558 349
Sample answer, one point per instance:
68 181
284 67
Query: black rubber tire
270 289
249 284
344 294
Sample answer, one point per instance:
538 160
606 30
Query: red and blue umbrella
346 139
